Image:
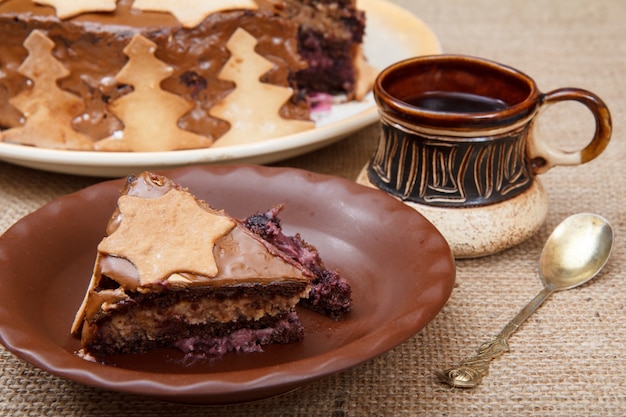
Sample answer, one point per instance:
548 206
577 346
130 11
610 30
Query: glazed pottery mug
458 144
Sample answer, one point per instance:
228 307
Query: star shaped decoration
191 12
166 235
70 8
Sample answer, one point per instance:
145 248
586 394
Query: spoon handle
470 371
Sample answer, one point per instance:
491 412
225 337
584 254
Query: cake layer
204 320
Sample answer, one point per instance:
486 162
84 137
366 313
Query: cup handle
544 156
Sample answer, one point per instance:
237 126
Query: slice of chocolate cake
174 272
330 293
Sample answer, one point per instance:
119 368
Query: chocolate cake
330 34
109 75
174 272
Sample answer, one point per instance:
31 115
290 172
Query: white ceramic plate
392 34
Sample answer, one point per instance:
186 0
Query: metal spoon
574 253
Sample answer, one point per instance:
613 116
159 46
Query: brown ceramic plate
400 267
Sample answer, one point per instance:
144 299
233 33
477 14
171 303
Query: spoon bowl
576 251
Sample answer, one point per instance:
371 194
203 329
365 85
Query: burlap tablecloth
568 359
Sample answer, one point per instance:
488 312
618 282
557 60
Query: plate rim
228 385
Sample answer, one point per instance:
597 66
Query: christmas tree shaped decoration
48 111
253 107
69 8
191 12
150 114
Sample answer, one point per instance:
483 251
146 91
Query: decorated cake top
150 103
164 231
131 75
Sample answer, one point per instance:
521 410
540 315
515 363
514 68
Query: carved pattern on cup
382 159
445 178
515 171
426 169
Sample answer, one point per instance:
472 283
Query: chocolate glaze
241 256
91 47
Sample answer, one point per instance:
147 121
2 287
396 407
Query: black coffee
455 102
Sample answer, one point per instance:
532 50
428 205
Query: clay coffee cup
457 143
